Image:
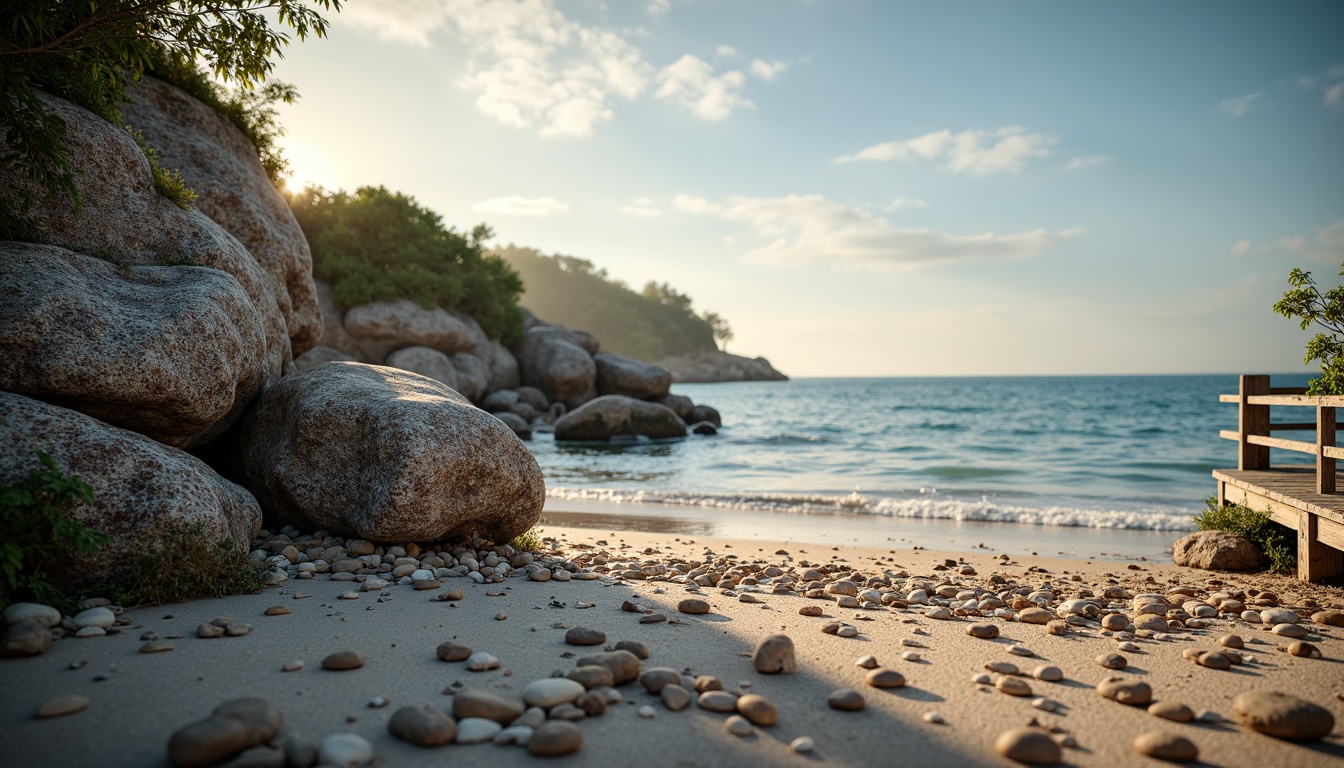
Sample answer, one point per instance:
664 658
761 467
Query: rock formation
720 366
1217 551
617 415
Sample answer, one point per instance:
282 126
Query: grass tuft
529 541
1276 541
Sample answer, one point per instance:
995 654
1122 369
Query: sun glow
308 167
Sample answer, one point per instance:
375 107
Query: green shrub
186 564
34 530
530 541
168 182
1277 542
376 245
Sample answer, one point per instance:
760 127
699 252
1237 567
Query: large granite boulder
617 415
403 323
473 376
123 219
1217 551
139 486
551 359
385 455
426 362
220 164
319 355
713 365
174 353
621 375
503 365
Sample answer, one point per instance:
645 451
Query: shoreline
145 697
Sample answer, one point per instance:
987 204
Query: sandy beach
138 700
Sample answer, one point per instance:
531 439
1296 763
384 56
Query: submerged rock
612 415
621 375
551 359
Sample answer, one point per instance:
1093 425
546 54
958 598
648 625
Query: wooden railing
1254 427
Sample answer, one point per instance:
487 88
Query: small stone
60 706
1018 650
802 745
1328 618
1112 661
26 637
707 683
554 738
675 697
480 661
1114 622
237 629
1048 673
1213 660
44 615
717 701
1035 616
95 617
423 726
1057 627
932 718
758 709
1274 616
693 606
453 595
156 646
1013 686
1171 710
647 711
293 666
1030 746
1002 667
1231 641
1303 650
591 677
846 700
1044 704
343 660
1290 630
774 655
810 610
91 632
585 636
1282 716
451 651
474 703
477 730
738 726
1125 691
910 656
640 650
655 678
208 630
278 610
623 665
1166 746
983 631
867 662
551 692
209 741
938 612
514 734
885 678
847 631
652 618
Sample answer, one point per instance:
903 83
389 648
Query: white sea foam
1072 513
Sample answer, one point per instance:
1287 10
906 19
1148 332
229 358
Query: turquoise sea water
1114 452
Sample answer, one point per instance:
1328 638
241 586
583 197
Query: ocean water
1082 453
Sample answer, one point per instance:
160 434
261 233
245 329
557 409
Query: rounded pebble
758 709
1048 673
345 749
1166 746
738 726
555 738
60 706
1282 716
585 636
774 655
343 660
693 605
885 678
1030 746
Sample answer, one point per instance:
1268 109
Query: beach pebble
1125 691
1231 641
932 718
693 605
1270 616
91 632
95 617
1030 746
846 700
1151 623
278 610
26 637
1044 704
60 706
156 646
774 655
477 730
623 665
44 615
1002 667
293 666
475 703
451 651
1112 661
1013 686
910 656
885 678
675 697
1282 716
1035 616
555 738
480 661
1213 660
653 618
647 711
1290 630
552 691
1018 650
262 718
717 701
1324 618
654 679
1166 746
237 629
585 636
802 745
1057 627
343 660
640 650
423 726
867 662
1303 650
591 677
738 726
982 679
453 594
1114 622
1128 647
983 631
209 741
938 612
758 709
810 610
1048 673
1171 710
707 683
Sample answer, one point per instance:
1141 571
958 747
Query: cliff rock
720 366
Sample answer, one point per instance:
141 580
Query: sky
874 188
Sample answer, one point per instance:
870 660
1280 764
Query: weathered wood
1325 438
1330 533
1293 487
1264 398
1287 390
1252 420
1315 560
1301 446
1334 453
1288 426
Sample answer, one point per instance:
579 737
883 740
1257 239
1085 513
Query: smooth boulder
403 323
140 487
551 359
621 375
174 353
1217 551
319 355
612 415
429 464
427 362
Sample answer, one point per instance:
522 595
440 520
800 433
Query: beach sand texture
147 696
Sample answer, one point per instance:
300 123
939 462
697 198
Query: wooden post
1316 561
1252 420
1325 438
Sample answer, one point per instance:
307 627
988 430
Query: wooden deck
1290 494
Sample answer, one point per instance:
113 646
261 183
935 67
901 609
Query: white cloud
767 70
1238 106
727 52
528 63
974 152
691 84
514 205
641 206
659 7
1326 247
906 202
810 229
1083 162
1331 85
693 204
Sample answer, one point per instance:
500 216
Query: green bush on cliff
1275 541
376 245
655 323
34 529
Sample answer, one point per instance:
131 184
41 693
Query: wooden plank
1286 426
1287 390
1315 560
1329 532
1228 434
1301 446
1264 398
1325 438
1252 419
1283 514
1334 453
1294 488
1229 398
